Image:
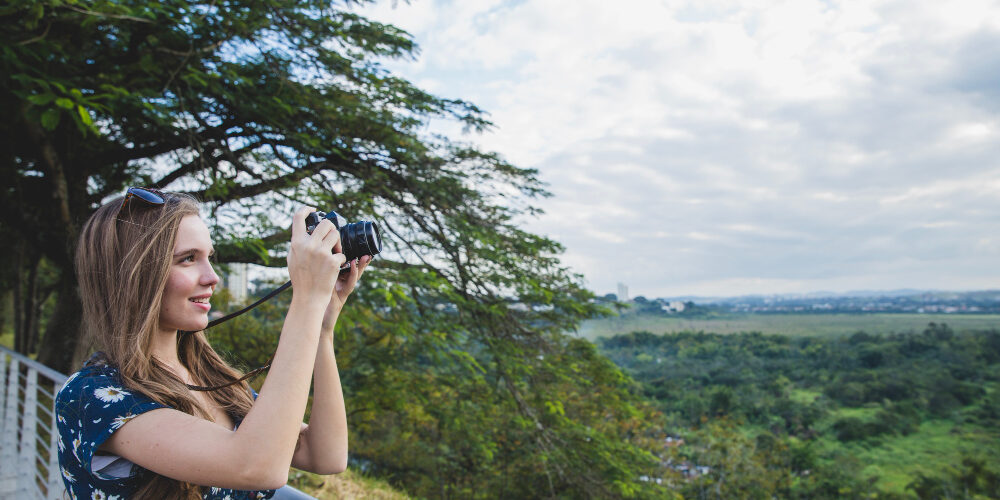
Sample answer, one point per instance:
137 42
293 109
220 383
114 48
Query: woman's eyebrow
194 250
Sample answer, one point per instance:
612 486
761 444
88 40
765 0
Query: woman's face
191 279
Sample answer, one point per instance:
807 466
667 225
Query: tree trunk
18 293
5 296
41 296
31 307
26 307
62 348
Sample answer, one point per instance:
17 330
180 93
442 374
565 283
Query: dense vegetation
826 416
426 410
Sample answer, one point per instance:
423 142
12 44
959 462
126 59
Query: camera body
357 239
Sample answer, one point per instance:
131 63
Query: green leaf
84 116
64 103
34 15
41 99
50 118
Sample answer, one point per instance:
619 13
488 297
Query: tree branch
52 162
110 16
252 190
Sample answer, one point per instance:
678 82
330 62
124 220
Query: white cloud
718 147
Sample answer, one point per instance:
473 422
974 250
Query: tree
245 107
257 106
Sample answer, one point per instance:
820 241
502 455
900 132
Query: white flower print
62 446
227 497
216 490
76 446
120 421
67 475
110 394
61 419
98 495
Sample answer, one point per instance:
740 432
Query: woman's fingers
326 237
350 278
364 261
339 260
299 221
312 261
323 230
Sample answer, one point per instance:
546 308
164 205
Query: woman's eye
188 258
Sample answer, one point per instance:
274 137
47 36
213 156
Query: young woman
130 426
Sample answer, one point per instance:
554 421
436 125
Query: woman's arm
322 444
258 454
255 456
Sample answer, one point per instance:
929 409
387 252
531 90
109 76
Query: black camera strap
267 297
228 317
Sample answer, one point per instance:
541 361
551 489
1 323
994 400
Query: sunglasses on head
153 197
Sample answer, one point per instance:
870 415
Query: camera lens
360 238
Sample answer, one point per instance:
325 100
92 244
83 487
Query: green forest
858 416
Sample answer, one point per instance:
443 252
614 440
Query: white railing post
27 459
8 441
54 488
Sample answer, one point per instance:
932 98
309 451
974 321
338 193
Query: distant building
623 292
674 306
237 282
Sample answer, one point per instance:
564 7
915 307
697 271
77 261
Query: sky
728 148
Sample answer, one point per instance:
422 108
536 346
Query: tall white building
237 282
623 292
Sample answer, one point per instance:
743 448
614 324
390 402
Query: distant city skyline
731 148
816 294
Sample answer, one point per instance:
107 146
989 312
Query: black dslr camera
356 239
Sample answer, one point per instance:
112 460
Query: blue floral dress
90 407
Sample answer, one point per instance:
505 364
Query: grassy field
786 324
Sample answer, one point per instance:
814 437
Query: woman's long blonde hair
122 265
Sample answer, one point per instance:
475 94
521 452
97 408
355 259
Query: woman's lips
205 306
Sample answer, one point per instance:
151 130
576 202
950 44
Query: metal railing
29 461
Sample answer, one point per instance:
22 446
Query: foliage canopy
256 106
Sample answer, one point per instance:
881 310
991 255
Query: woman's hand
343 288
312 264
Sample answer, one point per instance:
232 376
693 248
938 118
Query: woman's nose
209 277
